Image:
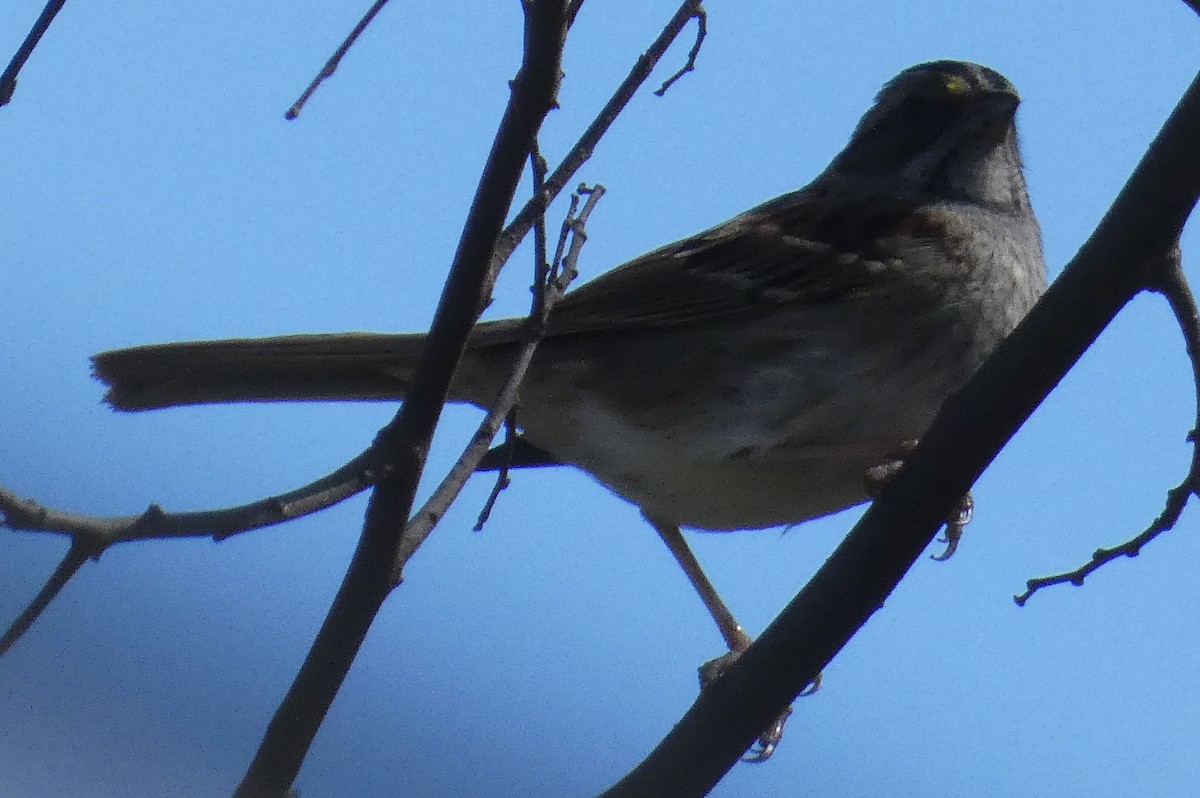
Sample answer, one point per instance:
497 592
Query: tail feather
290 368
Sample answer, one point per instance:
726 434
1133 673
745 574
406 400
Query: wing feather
793 249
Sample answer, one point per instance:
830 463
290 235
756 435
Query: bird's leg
735 637
960 516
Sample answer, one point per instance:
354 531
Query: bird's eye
915 105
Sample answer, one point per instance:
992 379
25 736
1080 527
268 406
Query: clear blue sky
153 192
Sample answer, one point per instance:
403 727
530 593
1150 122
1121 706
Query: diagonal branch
91 535
335 60
8 79
75 557
1110 268
401 447
1179 296
546 296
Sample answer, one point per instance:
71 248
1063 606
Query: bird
750 375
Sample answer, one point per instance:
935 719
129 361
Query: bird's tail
300 367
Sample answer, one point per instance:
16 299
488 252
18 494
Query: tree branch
1183 304
546 295
973 425
401 447
356 475
8 79
516 231
94 534
701 18
335 60
75 557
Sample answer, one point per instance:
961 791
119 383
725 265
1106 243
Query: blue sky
154 192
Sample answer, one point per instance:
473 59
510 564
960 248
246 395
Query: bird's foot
770 738
878 476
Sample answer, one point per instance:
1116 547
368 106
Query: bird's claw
954 527
769 740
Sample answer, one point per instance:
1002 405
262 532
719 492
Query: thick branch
1108 271
403 444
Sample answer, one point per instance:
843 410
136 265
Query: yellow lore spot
955 84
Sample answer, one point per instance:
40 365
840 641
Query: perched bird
749 375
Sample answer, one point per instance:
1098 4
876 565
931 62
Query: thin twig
219 524
701 17
541 268
558 278
75 557
507 449
91 535
516 231
335 60
1174 288
8 79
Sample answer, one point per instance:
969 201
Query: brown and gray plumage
749 375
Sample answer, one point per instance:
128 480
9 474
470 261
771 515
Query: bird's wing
807 247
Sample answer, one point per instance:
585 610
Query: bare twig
91 535
701 31
557 280
336 59
541 268
75 557
1175 289
8 79
507 449
402 445
516 231
972 426
219 524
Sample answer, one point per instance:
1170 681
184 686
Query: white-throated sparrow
750 375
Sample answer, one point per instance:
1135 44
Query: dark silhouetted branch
546 295
335 60
401 447
75 557
968 432
701 18
93 534
8 79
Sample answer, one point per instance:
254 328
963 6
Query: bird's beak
993 115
